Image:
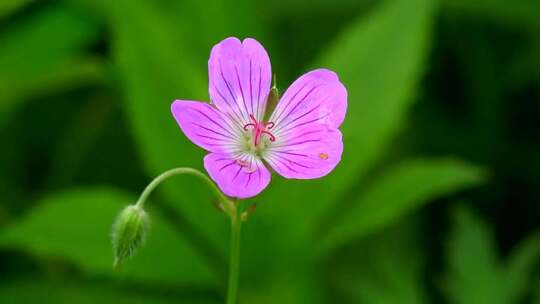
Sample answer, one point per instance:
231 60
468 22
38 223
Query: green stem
227 204
230 207
236 225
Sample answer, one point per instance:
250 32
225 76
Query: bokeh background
436 200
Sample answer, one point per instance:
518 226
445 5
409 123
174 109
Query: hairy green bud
129 232
272 100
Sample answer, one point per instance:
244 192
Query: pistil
259 129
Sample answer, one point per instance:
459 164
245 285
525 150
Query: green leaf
380 60
64 75
519 266
522 14
475 274
290 283
51 44
536 295
31 292
8 7
215 20
383 268
397 192
76 225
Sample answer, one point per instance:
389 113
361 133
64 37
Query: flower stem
227 204
236 225
230 207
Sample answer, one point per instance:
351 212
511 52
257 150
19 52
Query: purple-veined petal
239 78
206 126
241 175
305 153
316 98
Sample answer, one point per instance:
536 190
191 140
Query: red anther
253 118
272 137
249 125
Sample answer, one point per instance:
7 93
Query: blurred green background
436 200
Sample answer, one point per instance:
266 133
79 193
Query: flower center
260 128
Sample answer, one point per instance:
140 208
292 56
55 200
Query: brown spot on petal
323 156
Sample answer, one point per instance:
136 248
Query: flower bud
129 232
272 100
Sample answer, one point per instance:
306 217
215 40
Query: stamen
272 137
253 118
249 125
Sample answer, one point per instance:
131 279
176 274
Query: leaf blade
379 59
39 291
366 273
75 225
53 40
401 189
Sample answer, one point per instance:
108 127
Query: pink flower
300 139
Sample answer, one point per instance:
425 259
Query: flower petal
306 153
241 176
240 76
316 98
206 126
